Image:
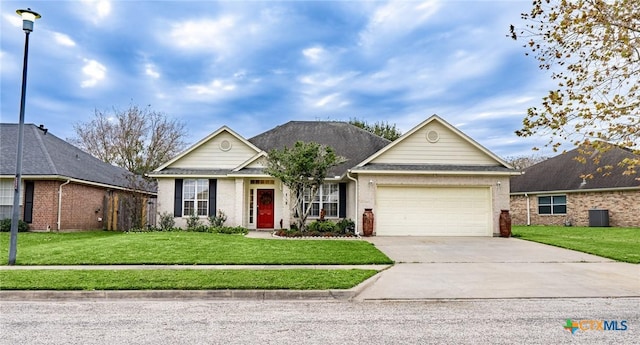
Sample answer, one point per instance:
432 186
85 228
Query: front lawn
184 248
182 279
622 244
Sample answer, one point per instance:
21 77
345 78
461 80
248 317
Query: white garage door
433 211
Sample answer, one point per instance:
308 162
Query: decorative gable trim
250 161
445 124
205 140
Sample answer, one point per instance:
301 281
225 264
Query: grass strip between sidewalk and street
185 248
621 244
182 279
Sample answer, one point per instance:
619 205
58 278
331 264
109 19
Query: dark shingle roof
348 141
48 155
562 173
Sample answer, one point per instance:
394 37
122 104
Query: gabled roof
251 160
45 155
435 118
562 173
348 141
202 142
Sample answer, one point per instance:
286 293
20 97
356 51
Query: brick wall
82 206
623 206
79 205
45 205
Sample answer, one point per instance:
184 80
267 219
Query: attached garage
433 211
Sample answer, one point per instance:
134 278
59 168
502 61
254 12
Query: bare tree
137 139
523 162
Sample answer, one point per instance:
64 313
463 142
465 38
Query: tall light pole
28 18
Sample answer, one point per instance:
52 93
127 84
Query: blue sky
253 65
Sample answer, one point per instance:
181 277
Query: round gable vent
433 136
225 145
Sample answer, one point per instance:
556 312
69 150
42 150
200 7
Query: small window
552 204
6 198
251 197
195 197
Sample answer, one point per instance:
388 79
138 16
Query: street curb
51 295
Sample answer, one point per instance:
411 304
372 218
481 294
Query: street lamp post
28 18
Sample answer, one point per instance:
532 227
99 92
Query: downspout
528 210
60 202
357 194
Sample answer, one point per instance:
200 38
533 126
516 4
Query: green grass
184 279
622 244
186 248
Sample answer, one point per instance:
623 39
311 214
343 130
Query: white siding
210 156
449 149
258 163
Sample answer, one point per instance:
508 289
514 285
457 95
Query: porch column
240 203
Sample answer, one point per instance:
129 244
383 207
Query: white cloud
13 19
151 71
327 99
202 35
94 71
314 54
63 40
395 19
99 9
214 88
323 80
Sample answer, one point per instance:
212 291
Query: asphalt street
486 321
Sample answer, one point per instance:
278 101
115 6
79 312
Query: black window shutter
342 200
213 186
177 199
28 201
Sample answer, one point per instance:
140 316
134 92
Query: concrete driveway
481 267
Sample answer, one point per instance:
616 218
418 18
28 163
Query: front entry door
265 209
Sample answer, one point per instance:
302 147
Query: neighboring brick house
63 187
554 193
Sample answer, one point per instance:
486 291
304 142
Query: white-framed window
251 202
552 204
328 198
195 197
6 198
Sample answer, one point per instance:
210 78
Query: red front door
265 209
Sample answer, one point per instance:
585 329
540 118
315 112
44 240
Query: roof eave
610 189
76 180
435 172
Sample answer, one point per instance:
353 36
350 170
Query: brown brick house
553 193
63 187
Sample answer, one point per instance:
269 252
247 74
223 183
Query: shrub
167 222
229 230
322 226
5 225
218 220
199 228
193 222
346 226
